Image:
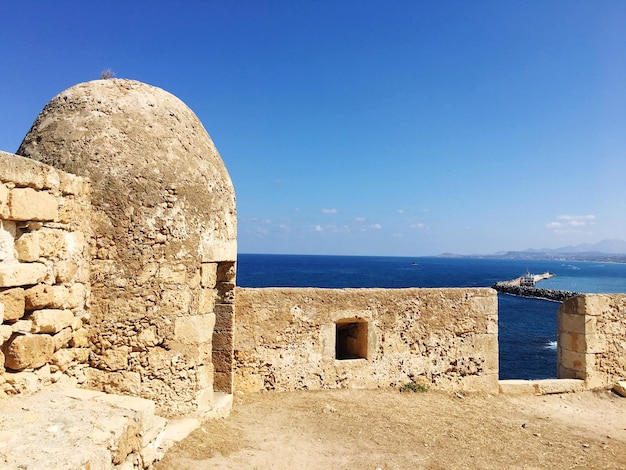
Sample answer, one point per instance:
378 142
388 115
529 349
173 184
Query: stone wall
592 339
44 274
163 260
291 339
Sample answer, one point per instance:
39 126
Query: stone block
595 304
213 249
225 316
572 341
620 388
551 386
142 409
175 301
77 296
148 337
63 358
115 359
5 333
193 278
576 360
27 248
80 338
28 351
4 201
172 274
571 323
22 326
62 338
223 381
517 387
46 296
204 399
226 292
28 204
208 274
21 274
223 360
13 302
1 313
52 242
206 300
74 242
65 270
223 341
72 184
8 232
204 376
51 320
595 344
195 329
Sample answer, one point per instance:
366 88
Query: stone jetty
535 292
521 287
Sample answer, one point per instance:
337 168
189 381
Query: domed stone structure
164 241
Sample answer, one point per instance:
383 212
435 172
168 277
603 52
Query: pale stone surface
51 320
551 386
13 302
197 329
72 428
28 204
285 339
209 275
21 274
7 240
163 204
27 248
26 350
4 201
45 296
65 270
620 388
592 332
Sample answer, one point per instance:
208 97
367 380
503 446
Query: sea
527 327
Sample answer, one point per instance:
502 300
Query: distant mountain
607 250
614 246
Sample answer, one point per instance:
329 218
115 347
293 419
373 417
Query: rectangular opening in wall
350 339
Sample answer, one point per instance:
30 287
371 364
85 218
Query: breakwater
556 295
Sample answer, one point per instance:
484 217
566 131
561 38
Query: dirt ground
386 429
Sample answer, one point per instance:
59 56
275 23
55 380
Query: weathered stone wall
285 339
592 339
164 226
44 274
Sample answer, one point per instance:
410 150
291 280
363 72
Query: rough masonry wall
592 339
44 274
164 225
285 339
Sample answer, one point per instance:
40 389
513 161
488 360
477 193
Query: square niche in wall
350 339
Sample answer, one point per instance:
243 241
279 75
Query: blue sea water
527 327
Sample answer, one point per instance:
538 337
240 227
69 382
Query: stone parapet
293 339
592 339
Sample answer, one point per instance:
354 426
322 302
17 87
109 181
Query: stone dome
143 150
163 241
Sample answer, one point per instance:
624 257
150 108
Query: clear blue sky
366 127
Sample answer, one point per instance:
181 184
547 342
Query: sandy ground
386 429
